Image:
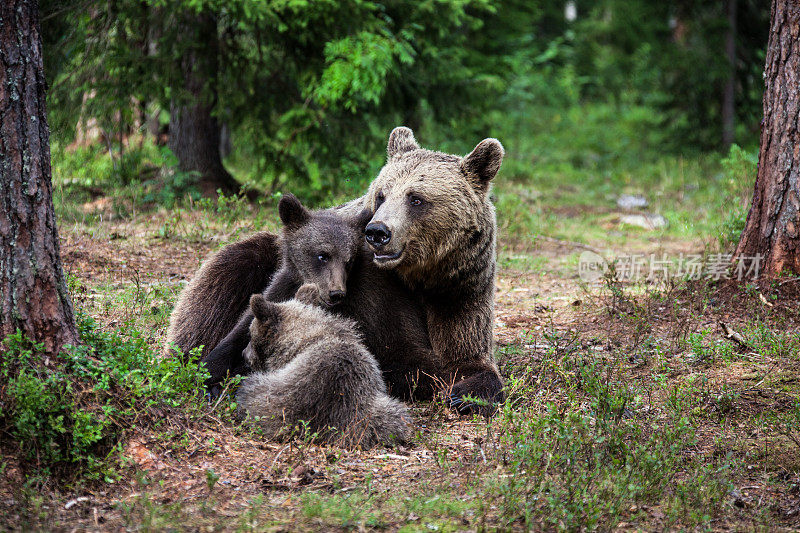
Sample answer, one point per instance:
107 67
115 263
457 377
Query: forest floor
631 406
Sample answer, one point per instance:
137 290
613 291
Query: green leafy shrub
593 457
70 414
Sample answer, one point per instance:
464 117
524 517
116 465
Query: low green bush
70 414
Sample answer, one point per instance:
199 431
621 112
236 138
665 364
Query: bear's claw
463 407
213 392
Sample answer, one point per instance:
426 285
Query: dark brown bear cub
327 250
317 248
320 253
310 365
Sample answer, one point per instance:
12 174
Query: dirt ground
530 302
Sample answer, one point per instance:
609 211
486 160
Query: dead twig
221 396
272 466
734 336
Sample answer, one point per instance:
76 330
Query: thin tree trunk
194 133
33 295
729 94
772 229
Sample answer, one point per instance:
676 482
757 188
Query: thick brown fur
424 299
218 294
312 366
210 306
437 211
391 318
317 247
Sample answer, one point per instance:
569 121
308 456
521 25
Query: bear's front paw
308 294
465 407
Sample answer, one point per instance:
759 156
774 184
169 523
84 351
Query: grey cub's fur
311 365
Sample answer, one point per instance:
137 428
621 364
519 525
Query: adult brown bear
433 230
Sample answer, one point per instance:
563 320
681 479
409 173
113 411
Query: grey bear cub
310 365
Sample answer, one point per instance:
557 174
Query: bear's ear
361 220
482 164
401 140
292 213
265 311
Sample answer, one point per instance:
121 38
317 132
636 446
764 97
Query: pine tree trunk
194 133
33 296
773 224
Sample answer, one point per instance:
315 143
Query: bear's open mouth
388 257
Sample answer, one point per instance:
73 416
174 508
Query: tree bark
33 295
772 227
729 94
194 133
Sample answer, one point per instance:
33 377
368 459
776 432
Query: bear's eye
415 200
379 199
323 257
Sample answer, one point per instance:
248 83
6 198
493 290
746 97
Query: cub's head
265 332
279 329
321 245
426 204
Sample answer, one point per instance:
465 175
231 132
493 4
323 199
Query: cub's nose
377 234
336 297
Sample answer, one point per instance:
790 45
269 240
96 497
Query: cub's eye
379 199
323 258
415 200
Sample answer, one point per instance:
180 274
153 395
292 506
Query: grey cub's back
315 368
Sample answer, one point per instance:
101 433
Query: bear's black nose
336 297
377 234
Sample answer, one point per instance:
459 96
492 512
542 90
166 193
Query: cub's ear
401 140
361 220
264 311
292 213
482 164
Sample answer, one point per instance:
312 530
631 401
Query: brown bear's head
426 204
321 246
